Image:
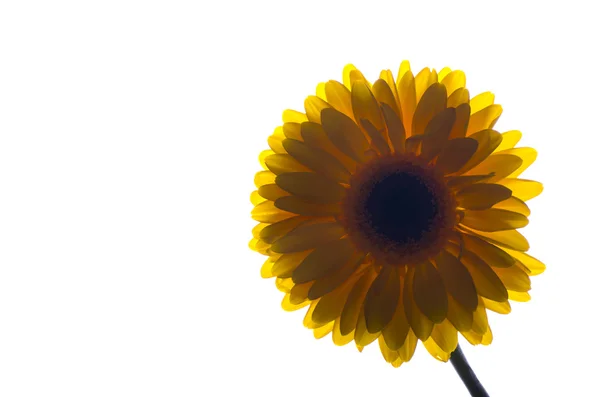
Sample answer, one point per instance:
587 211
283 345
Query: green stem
462 367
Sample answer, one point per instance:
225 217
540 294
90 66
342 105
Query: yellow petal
432 102
288 306
274 231
493 220
508 238
280 163
454 80
262 156
458 97
407 350
460 317
408 99
498 307
437 133
382 299
388 354
482 196
533 266
338 96
459 129
436 351
514 278
314 136
354 303
328 257
488 284
423 80
445 336
266 269
514 204
338 338
275 140
523 189
483 119
443 73
519 296
317 160
298 295
312 187
293 116
396 133
388 77
384 94
481 101
313 106
352 74
362 336
487 141
397 330
323 331
419 323
348 271
429 292
461 181
501 165
489 253
285 265
527 154
457 280
365 106
272 192
331 305
509 140
344 134
456 154
264 178
292 131
256 198
297 205
378 141
308 236
267 212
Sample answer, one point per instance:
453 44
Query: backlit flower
391 208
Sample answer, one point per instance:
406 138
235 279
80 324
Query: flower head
391 208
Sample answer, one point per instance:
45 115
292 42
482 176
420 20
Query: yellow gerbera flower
391 209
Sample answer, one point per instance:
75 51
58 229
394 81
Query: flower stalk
466 374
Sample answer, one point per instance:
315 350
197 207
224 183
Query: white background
129 133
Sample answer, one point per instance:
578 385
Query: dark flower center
399 209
